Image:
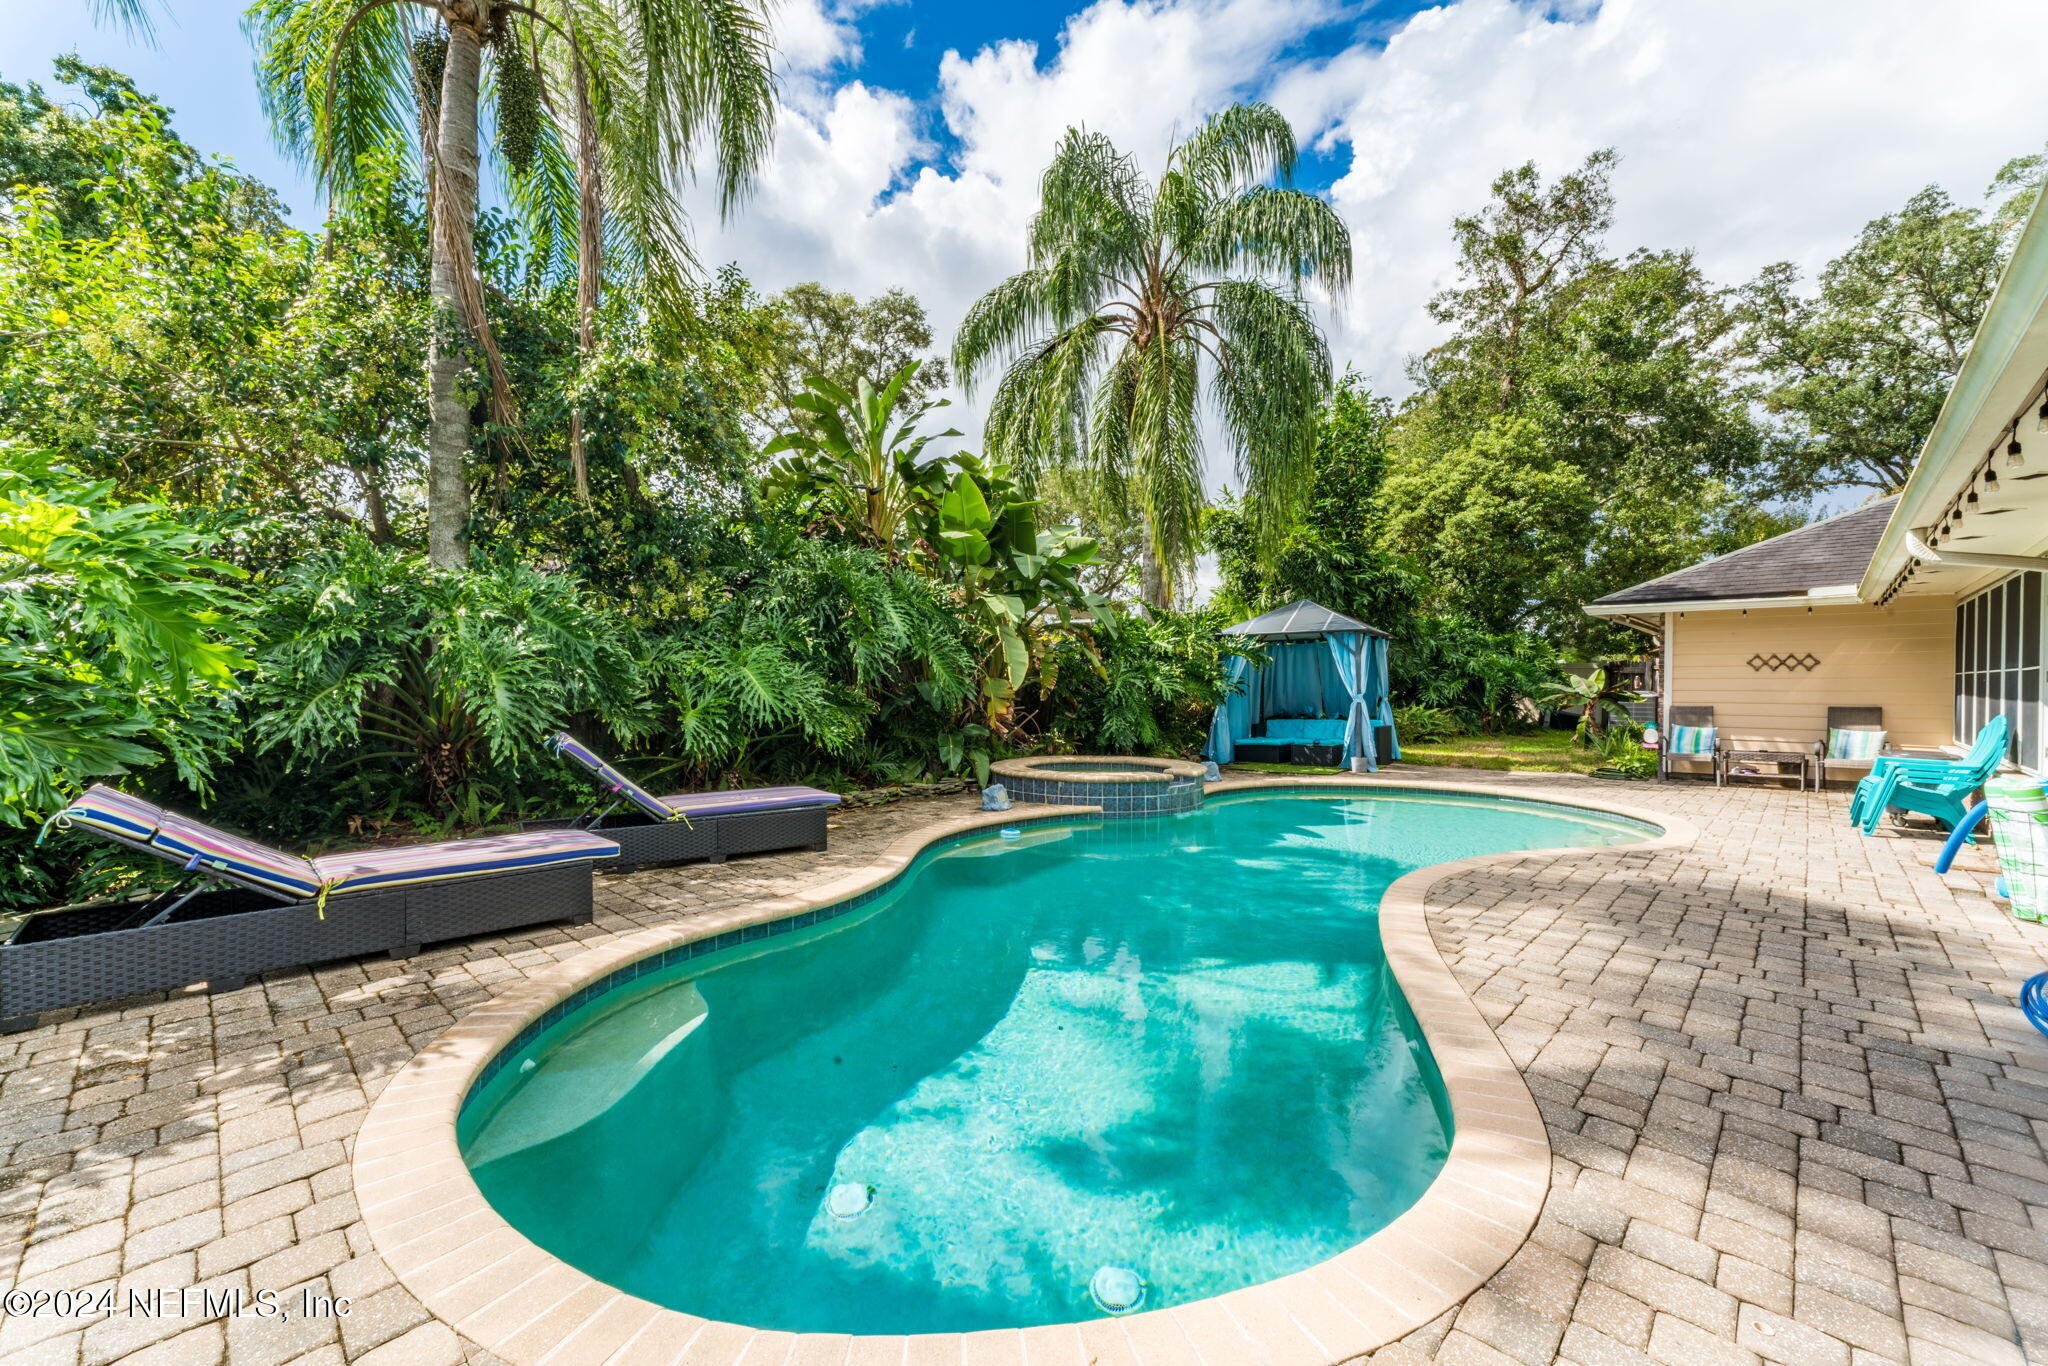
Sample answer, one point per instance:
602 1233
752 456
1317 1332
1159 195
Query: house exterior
1929 604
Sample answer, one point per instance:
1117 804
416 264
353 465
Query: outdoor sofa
692 825
246 908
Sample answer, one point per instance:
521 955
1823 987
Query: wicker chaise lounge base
643 841
384 901
694 825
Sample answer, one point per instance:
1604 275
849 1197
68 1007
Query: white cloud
1752 130
813 35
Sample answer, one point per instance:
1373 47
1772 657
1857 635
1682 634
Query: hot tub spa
1121 785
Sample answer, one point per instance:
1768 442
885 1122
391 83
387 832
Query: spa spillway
1121 785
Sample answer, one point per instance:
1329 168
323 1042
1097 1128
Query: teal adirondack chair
1939 788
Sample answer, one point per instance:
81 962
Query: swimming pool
1167 1046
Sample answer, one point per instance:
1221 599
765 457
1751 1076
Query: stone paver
1795 1114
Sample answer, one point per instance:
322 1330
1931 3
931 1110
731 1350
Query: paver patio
1796 1116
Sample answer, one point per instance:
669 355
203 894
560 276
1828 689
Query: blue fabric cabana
1324 684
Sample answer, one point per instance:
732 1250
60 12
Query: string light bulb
2014 457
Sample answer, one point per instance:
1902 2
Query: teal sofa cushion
1306 730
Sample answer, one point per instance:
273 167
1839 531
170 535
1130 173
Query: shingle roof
1299 619
1821 554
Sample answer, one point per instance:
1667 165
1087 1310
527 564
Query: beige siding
1901 658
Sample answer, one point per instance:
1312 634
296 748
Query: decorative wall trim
1792 663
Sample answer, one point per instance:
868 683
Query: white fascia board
1818 597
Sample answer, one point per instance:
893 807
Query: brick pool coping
476 1272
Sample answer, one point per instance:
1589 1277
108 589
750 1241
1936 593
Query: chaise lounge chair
245 908
694 825
1939 788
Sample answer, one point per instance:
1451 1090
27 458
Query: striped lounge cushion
576 752
748 799
1855 744
371 869
1691 740
116 813
184 840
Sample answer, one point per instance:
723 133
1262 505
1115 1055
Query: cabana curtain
1349 651
1234 716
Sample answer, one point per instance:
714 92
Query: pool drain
1117 1289
849 1200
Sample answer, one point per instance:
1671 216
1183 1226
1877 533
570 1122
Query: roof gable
1823 554
1299 619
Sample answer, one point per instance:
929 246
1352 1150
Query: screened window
1999 664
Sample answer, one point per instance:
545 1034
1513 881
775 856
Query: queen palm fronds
1134 293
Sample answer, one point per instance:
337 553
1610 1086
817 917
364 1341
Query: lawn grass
1543 751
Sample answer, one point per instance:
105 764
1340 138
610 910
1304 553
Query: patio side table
1801 761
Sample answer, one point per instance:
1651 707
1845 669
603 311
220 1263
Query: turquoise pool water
1167 1044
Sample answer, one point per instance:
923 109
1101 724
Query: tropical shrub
117 648
1596 698
119 659
1485 677
1012 578
438 686
857 465
814 658
1152 687
1623 753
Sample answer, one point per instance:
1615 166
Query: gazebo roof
1301 620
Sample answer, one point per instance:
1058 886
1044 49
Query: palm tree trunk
589 260
455 179
1155 588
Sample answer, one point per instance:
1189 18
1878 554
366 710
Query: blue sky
912 134
199 64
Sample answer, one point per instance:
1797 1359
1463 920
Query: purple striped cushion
366 869
748 799
182 839
103 808
612 780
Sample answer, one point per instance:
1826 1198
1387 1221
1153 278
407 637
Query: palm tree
1133 291
132 15
646 81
